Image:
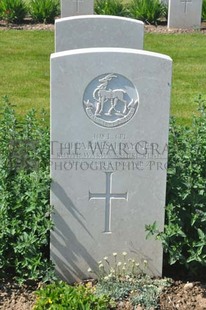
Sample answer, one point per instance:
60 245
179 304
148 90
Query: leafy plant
164 11
60 295
110 7
127 280
13 10
118 269
24 200
184 236
44 11
204 10
149 11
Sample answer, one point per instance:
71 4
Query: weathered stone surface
76 7
184 13
109 132
98 31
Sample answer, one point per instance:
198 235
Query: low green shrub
124 281
142 290
60 295
44 11
204 10
124 278
184 236
110 7
149 11
13 10
24 200
25 184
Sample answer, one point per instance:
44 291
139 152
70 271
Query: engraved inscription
108 196
185 4
110 100
78 4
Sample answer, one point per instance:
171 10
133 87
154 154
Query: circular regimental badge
110 100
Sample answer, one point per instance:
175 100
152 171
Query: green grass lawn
24 64
188 52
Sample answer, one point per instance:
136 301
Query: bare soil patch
28 25
181 295
163 29
184 296
15 297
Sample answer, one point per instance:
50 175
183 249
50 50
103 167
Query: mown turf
24 64
188 52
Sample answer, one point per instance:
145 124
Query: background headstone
184 13
98 31
109 133
76 7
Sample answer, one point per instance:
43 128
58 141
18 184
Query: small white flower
137 265
89 270
106 278
119 264
124 253
114 254
100 262
133 261
145 262
101 266
125 264
123 268
127 277
105 258
112 270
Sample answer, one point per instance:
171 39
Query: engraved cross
77 4
186 3
108 196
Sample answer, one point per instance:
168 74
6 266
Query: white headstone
98 31
109 133
184 13
76 7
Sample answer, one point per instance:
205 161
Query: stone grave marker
76 7
109 133
184 14
98 31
